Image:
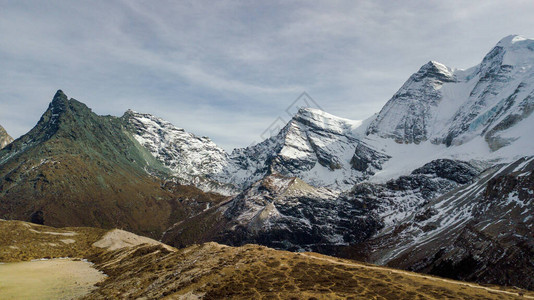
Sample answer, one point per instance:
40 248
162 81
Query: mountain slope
281 212
75 168
481 231
5 139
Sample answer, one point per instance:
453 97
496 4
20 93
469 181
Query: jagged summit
434 69
59 103
5 138
60 96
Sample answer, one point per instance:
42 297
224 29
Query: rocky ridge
191 159
319 148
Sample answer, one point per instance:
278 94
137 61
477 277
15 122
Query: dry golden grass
213 271
22 241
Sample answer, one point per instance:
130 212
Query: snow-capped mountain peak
436 70
406 116
518 51
321 149
192 154
189 157
514 41
453 107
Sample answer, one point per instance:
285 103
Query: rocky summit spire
59 102
5 139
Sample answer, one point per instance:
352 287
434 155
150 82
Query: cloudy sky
229 69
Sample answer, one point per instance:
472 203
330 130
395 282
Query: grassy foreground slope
138 267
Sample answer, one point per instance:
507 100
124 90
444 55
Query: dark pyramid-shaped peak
59 103
64 118
60 96
65 110
434 70
69 126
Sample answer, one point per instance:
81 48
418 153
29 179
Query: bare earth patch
117 239
48 279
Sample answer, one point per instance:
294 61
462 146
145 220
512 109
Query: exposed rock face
5 139
397 198
479 232
287 213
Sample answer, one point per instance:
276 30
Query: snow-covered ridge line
191 158
481 115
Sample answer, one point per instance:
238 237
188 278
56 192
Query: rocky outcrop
5 139
286 213
480 231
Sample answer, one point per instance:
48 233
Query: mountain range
435 181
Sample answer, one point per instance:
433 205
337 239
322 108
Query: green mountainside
75 168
